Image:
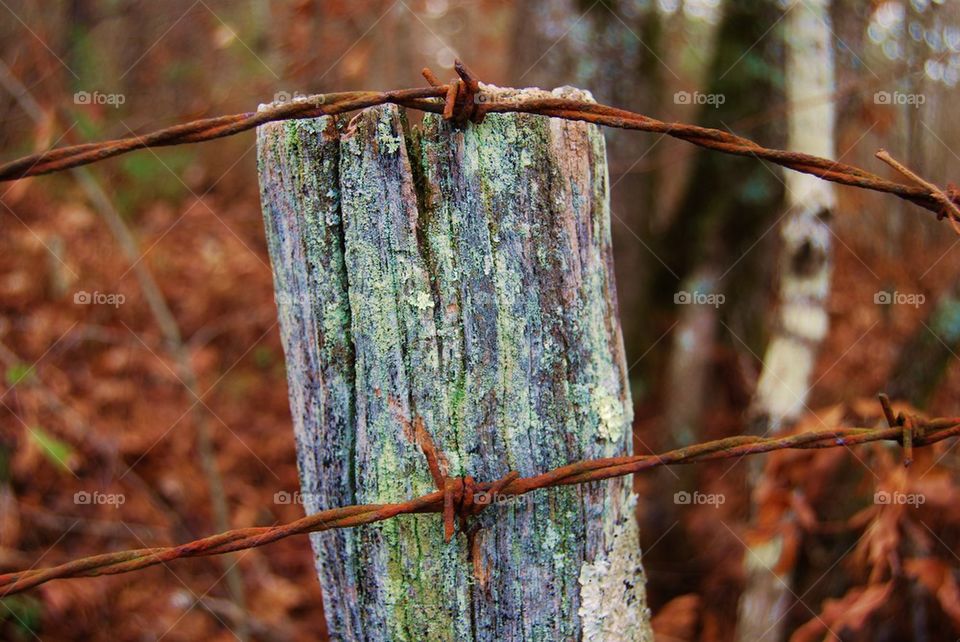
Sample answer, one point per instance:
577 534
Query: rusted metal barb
950 209
909 425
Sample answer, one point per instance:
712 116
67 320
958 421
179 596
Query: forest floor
131 431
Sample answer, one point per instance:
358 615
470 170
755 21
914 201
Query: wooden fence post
463 278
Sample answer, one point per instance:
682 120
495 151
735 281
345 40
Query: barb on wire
465 497
950 209
463 100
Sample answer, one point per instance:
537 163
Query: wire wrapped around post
926 432
453 106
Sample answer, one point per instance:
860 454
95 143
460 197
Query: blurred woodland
168 389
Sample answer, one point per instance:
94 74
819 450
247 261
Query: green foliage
87 127
263 357
18 373
58 452
147 175
947 320
152 176
21 616
84 58
180 73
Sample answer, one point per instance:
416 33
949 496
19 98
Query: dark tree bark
924 359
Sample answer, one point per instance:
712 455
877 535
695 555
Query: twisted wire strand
467 498
463 100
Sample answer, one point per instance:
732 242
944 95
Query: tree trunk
729 204
927 355
802 319
462 277
807 241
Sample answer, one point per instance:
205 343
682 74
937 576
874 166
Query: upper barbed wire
464 99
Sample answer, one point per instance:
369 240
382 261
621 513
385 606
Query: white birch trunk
802 320
805 270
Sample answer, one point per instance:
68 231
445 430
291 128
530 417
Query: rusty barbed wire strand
463 100
466 498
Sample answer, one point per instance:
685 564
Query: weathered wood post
463 277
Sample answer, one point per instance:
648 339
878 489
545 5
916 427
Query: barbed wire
463 99
463 497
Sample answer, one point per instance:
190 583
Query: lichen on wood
463 277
